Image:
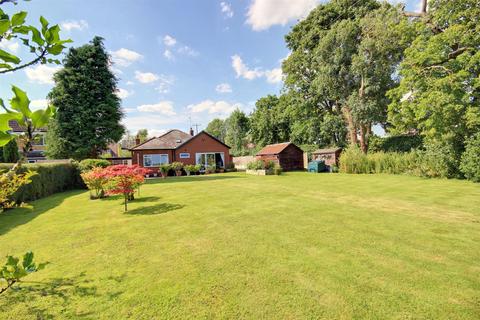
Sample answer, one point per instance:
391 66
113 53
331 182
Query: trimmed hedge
399 143
50 178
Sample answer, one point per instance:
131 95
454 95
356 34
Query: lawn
296 246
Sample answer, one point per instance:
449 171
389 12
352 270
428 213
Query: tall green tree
217 128
142 134
344 56
237 127
88 113
439 92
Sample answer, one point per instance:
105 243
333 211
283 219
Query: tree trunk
352 128
363 138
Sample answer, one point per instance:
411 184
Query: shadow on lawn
156 209
62 292
200 178
13 218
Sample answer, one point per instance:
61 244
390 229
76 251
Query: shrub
164 169
177 167
50 178
124 180
277 169
256 165
10 152
398 143
470 163
10 182
438 160
269 165
96 180
191 168
89 164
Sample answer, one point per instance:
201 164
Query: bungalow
178 146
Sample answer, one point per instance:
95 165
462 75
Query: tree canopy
88 113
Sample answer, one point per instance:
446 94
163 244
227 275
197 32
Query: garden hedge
50 178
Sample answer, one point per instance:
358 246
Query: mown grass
296 246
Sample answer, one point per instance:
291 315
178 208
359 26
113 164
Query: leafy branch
12 271
41 42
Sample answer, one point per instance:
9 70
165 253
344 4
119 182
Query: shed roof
323 151
274 148
169 140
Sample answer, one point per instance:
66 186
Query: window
211 159
154 160
184 155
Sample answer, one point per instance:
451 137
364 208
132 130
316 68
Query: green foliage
20 112
256 165
210 169
439 87
191 168
50 178
89 113
142 134
10 182
470 163
217 128
10 152
41 42
396 143
237 127
438 160
164 169
13 271
88 164
277 169
176 166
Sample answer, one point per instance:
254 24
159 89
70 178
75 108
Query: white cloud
163 107
123 93
210 106
168 54
156 132
169 41
38 104
146 77
124 57
223 88
42 74
226 9
10 46
243 71
188 51
164 83
74 25
262 14
130 83
274 75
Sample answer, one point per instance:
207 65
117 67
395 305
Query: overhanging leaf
20 102
7 57
18 18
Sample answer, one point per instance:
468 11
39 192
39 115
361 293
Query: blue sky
176 59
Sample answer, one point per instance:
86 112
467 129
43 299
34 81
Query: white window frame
184 155
155 154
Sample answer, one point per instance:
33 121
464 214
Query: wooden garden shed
287 155
330 156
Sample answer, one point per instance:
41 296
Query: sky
179 62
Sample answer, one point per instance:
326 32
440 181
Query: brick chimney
191 132
137 140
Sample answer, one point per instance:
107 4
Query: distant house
39 146
330 156
287 155
179 146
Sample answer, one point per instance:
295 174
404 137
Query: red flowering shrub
124 180
96 181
